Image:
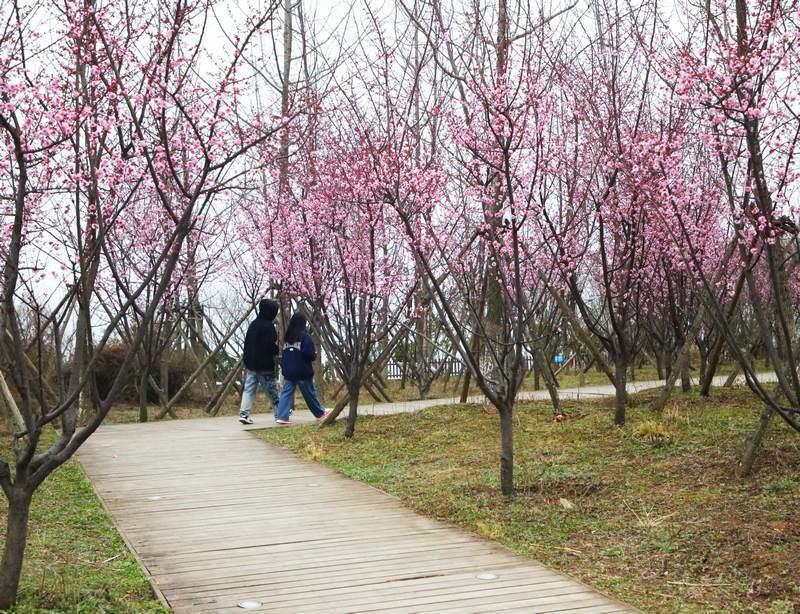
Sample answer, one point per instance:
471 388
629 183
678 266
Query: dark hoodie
261 340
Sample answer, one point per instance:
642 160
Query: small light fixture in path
487 575
250 604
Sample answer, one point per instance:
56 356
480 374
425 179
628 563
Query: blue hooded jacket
299 352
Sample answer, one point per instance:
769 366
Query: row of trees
499 169
485 180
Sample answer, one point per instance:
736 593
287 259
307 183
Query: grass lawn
75 560
651 514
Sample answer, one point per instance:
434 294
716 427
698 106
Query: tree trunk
703 374
164 380
550 376
621 397
659 364
732 378
475 351
143 395
666 393
753 444
537 385
506 451
286 73
465 386
424 388
19 504
447 374
686 380
353 391
540 364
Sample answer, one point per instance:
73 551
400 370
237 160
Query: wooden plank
327 589
388 540
442 563
291 561
363 597
553 600
400 596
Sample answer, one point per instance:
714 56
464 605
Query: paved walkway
218 518
584 392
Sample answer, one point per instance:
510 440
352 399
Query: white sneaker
245 420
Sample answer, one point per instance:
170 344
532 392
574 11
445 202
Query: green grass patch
76 560
651 514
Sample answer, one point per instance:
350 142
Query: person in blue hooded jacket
297 366
260 357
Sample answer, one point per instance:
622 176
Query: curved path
595 391
218 518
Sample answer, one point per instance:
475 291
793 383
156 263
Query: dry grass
664 525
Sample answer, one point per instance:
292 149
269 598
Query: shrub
179 368
108 363
653 432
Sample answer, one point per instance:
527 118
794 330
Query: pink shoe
325 415
283 422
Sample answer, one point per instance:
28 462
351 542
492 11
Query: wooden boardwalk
217 518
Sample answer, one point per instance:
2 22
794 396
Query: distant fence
394 370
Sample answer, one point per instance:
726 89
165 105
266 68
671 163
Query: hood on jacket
296 327
267 309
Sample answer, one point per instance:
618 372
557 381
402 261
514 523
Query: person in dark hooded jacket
259 357
297 365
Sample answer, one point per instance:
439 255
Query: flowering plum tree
485 200
740 79
118 106
335 251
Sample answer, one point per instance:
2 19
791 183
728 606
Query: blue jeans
252 381
309 394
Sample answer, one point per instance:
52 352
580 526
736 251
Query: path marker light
250 604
